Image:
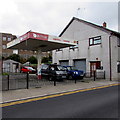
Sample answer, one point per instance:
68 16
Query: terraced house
98 48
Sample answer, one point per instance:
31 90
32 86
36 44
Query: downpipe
110 57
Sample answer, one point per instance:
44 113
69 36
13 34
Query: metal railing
95 75
25 81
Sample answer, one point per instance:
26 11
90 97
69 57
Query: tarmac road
99 103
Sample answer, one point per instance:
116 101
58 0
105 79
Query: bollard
54 81
75 80
104 74
27 80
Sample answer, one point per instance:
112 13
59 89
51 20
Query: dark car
73 73
53 72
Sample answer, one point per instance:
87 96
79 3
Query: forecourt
41 43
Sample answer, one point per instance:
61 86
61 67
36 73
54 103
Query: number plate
63 76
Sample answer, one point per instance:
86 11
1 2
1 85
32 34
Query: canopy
35 41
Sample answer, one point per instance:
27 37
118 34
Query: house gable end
92 25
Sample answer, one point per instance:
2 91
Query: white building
98 48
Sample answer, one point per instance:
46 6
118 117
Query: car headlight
58 72
76 73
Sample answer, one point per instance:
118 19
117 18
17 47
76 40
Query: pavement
14 95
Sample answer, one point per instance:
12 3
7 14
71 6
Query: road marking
55 95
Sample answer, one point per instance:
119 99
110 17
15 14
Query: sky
52 16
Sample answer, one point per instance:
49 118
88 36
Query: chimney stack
105 24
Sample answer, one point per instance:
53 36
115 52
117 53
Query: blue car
73 73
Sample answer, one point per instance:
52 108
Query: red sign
34 36
38 36
24 37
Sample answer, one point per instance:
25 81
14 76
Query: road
99 103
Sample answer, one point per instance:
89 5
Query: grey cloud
52 17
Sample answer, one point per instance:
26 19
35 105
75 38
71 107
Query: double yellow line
55 95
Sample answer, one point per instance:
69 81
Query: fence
25 81
14 81
95 75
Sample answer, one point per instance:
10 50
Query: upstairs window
95 40
4 38
9 39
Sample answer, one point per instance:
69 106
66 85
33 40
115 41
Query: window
95 40
118 66
9 39
4 38
118 42
60 49
15 51
73 47
4 46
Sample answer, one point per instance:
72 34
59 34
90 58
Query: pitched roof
91 24
10 61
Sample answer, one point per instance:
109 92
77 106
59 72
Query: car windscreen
30 68
59 68
71 68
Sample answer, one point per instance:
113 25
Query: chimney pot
105 24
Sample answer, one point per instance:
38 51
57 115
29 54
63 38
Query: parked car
73 73
28 69
53 72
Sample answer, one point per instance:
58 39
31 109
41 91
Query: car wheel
70 77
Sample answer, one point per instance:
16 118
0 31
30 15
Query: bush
14 57
32 60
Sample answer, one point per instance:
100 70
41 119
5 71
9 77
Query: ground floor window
118 66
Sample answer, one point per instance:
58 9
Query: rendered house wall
82 32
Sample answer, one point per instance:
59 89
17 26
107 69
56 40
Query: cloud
50 17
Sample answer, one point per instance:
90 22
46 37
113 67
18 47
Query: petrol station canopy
34 41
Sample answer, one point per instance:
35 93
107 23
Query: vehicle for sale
53 72
28 69
73 73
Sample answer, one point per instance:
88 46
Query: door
93 66
80 64
64 63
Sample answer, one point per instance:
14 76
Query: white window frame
94 41
4 38
9 39
4 47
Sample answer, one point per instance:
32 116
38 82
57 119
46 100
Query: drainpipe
110 57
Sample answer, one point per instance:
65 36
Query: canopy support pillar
39 58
